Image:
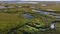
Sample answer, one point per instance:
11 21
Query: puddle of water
27 16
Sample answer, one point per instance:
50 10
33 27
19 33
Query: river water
30 16
49 13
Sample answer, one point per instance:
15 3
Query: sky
29 0
42 0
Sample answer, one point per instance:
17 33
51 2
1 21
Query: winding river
29 16
47 12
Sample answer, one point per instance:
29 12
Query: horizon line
31 1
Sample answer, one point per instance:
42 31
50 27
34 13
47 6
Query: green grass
10 19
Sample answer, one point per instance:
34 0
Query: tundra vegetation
17 21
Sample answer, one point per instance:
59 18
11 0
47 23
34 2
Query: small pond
27 15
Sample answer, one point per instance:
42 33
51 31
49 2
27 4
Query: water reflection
45 12
27 15
52 26
57 16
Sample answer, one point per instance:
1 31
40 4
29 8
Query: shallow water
57 16
1 7
52 26
27 15
49 13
